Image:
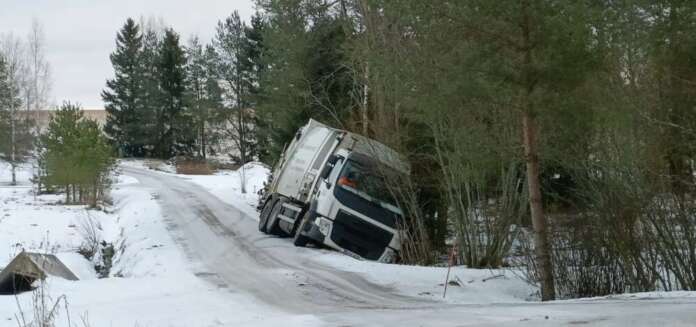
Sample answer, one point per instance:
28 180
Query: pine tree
331 81
203 94
123 94
174 135
214 93
77 156
195 87
672 50
530 56
284 81
254 52
151 93
59 141
92 160
236 73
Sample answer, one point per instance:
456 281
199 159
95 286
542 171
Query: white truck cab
330 187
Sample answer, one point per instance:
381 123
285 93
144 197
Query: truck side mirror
298 135
330 164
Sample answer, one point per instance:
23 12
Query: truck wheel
263 217
272 226
299 239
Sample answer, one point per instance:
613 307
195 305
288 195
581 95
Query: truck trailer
330 187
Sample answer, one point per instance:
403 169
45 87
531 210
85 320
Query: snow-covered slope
467 286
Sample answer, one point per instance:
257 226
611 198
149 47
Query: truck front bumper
353 236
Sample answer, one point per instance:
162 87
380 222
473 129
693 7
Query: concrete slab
28 267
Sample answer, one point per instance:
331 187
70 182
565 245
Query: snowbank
473 286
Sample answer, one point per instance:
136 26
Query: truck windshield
368 182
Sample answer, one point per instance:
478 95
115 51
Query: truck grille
359 236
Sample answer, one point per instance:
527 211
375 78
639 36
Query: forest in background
552 135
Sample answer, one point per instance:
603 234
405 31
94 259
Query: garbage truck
331 187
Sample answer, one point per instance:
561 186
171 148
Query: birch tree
15 136
38 84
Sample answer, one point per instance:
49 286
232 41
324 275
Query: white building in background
43 117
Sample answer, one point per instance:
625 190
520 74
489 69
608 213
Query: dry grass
89 230
194 167
45 310
220 165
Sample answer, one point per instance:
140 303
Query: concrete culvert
27 267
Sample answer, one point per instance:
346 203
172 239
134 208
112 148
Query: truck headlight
389 256
324 225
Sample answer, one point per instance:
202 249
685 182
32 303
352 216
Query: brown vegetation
194 167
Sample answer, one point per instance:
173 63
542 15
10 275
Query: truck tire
263 216
299 239
272 226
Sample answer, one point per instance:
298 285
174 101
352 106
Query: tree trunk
542 249
203 140
13 154
365 126
541 243
95 194
242 135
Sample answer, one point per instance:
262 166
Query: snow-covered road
224 248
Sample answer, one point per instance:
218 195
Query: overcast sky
80 34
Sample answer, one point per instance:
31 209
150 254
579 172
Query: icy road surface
225 248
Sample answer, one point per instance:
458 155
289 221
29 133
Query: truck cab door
325 199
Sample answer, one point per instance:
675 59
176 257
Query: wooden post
450 261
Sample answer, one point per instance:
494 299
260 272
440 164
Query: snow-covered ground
156 282
467 286
155 287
